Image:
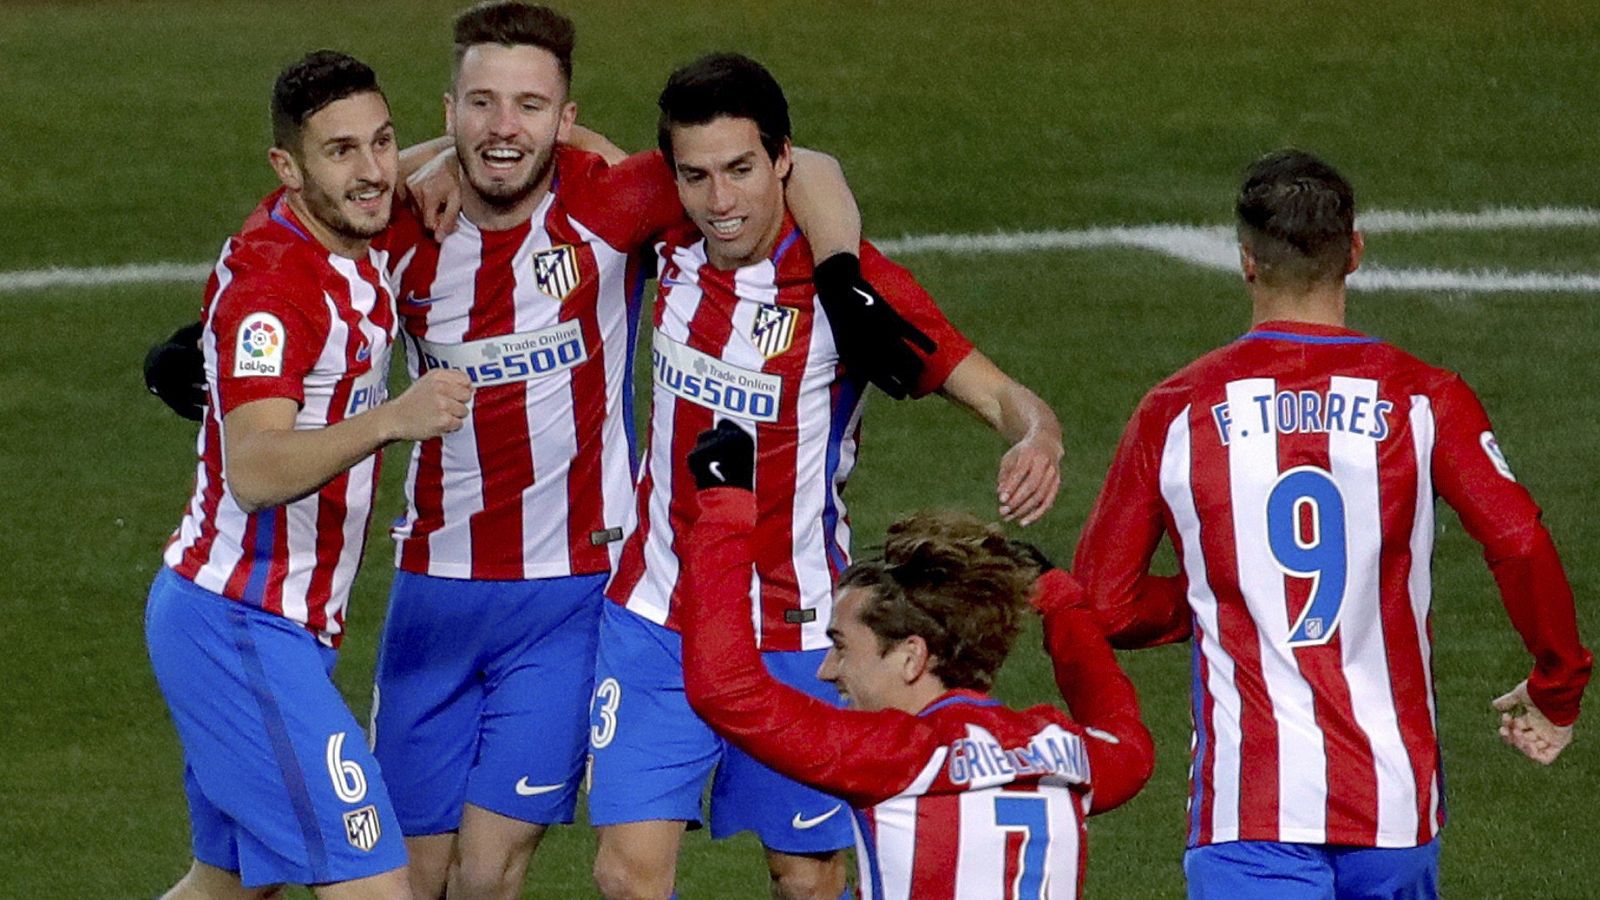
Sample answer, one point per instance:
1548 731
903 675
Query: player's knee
621 876
806 877
480 877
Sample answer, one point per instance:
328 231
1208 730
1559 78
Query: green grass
136 132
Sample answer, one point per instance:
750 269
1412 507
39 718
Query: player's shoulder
273 261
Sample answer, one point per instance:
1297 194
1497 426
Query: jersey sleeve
627 204
1098 694
862 757
912 302
266 343
1136 609
1471 474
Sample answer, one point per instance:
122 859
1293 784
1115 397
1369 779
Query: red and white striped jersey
966 799
284 317
753 345
1296 472
542 317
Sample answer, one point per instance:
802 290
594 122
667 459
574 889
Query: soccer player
513 523
740 334
1296 471
953 794
244 619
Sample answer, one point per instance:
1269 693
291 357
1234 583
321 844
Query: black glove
175 371
874 341
1033 554
724 456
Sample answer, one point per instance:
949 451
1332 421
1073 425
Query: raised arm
823 205
860 756
1030 472
1098 693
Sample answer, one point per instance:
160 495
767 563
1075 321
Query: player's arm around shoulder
1030 470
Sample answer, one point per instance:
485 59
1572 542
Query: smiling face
507 110
867 675
342 178
731 188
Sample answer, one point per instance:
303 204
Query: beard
325 207
505 195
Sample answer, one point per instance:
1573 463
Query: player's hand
874 341
435 404
175 371
1524 727
1030 477
435 192
724 456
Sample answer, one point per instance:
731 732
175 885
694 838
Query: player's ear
1247 264
569 115
1358 247
916 660
283 163
450 112
785 160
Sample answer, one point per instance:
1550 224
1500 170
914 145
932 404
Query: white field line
1207 246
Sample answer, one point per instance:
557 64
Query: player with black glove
175 371
724 456
873 340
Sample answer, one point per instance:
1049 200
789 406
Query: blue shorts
1265 870
281 786
482 697
652 755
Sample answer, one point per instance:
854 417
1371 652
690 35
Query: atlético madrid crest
555 271
361 828
773 328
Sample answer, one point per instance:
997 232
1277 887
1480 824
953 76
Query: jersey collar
957 698
1305 333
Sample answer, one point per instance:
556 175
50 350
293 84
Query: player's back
1295 468
996 812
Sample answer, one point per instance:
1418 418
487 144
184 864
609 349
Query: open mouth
368 198
727 229
501 158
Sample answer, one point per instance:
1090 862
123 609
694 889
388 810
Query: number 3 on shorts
349 782
606 699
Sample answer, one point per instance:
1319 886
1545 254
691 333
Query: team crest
361 828
1491 448
555 271
773 328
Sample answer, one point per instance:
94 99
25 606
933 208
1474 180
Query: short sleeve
627 204
911 301
266 342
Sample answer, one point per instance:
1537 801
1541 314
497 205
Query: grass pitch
136 133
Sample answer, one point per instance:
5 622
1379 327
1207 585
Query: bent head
508 104
724 130
1296 223
334 145
938 610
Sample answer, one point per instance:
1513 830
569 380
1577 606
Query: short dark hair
512 24
722 85
955 582
318 79
1297 217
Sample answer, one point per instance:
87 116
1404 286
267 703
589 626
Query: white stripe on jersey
1177 490
1420 582
1354 466
813 419
896 838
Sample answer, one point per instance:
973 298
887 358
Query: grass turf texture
136 133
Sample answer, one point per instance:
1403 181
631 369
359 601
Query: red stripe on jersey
709 332
241 570
194 558
278 568
937 847
1258 726
779 443
586 473
1408 679
500 410
331 506
1352 776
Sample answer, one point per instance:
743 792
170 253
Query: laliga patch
555 271
773 328
362 829
261 345
1491 448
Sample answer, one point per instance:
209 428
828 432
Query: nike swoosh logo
524 789
804 823
422 301
716 469
864 295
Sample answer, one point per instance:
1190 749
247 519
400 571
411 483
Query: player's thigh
390 885
1382 873
493 852
427 697
204 881
1258 870
651 755
280 764
789 817
538 681
428 860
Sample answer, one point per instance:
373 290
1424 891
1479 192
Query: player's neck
1318 305
333 241
919 695
490 217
